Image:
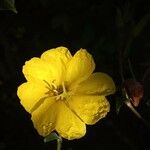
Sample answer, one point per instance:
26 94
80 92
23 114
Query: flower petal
68 125
30 93
80 67
57 54
44 117
90 108
97 84
37 69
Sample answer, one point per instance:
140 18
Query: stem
130 68
127 102
59 142
121 66
121 71
147 72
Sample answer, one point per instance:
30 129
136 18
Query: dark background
111 30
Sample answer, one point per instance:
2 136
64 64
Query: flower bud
134 90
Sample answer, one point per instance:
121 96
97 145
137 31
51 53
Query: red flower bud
134 90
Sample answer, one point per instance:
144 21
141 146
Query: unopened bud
134 90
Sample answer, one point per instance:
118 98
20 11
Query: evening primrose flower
63 94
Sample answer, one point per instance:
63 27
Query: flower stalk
59 143
128 103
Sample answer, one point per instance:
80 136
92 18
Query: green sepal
51 137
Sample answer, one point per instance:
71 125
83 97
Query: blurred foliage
8 5
112 31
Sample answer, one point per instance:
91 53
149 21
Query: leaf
147 100
119 18
140 25
51 137
137 29
8 5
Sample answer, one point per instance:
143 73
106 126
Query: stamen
63 86
56 92
53 85
47 83
59 92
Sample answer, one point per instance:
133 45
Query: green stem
59 142
121 66
128 103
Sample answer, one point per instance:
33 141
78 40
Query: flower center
60 92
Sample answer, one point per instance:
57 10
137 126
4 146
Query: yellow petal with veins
79 67
97 84
59 56
30 93
68 125
44 117
90 108
37 69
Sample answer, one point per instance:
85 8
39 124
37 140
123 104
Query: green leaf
119 18
51 137
135 32
147 102
140 25
8 5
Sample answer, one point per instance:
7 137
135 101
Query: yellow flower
63 94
